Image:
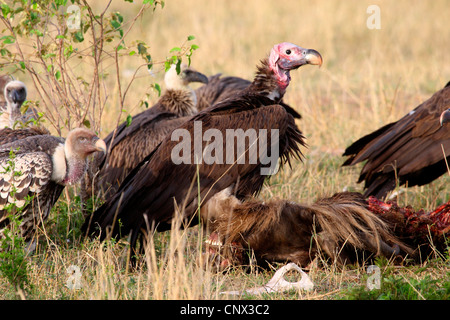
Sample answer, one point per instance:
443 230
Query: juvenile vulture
408 151
170 175
34 171
341 226
129 144
220 88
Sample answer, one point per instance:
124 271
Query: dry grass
369 78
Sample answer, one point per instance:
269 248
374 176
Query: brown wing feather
8 135
409 148
221 88
218 89
25 187
150 190
134 147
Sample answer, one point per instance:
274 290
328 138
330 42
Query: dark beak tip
313 57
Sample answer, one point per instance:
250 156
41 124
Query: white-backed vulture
34 171
13 124
15 93
129 144
405 152
146 199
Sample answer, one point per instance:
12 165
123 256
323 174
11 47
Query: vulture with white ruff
130 143
146 199
35 170
406 152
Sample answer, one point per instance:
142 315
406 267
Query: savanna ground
370 77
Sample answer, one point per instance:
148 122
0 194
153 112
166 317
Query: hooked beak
191 75
300 57
445 117
313 57
100 145
17 97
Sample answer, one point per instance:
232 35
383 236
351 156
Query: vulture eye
288 51
82 139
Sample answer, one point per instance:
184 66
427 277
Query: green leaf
5 9
129 119
4 52
142 49
22 64
78 36
58 75
8 39
175 49
190 38
157 88
178 66
119 17
87 123
115 24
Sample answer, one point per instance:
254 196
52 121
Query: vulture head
184 78
79 144
445 117
286 56
15 94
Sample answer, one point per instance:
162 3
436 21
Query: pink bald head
286 56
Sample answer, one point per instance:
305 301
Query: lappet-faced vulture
224 146
129 144
408 151
35 170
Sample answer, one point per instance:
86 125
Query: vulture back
408 151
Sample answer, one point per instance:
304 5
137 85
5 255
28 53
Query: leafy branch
68 50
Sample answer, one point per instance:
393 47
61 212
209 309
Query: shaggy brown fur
280 230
